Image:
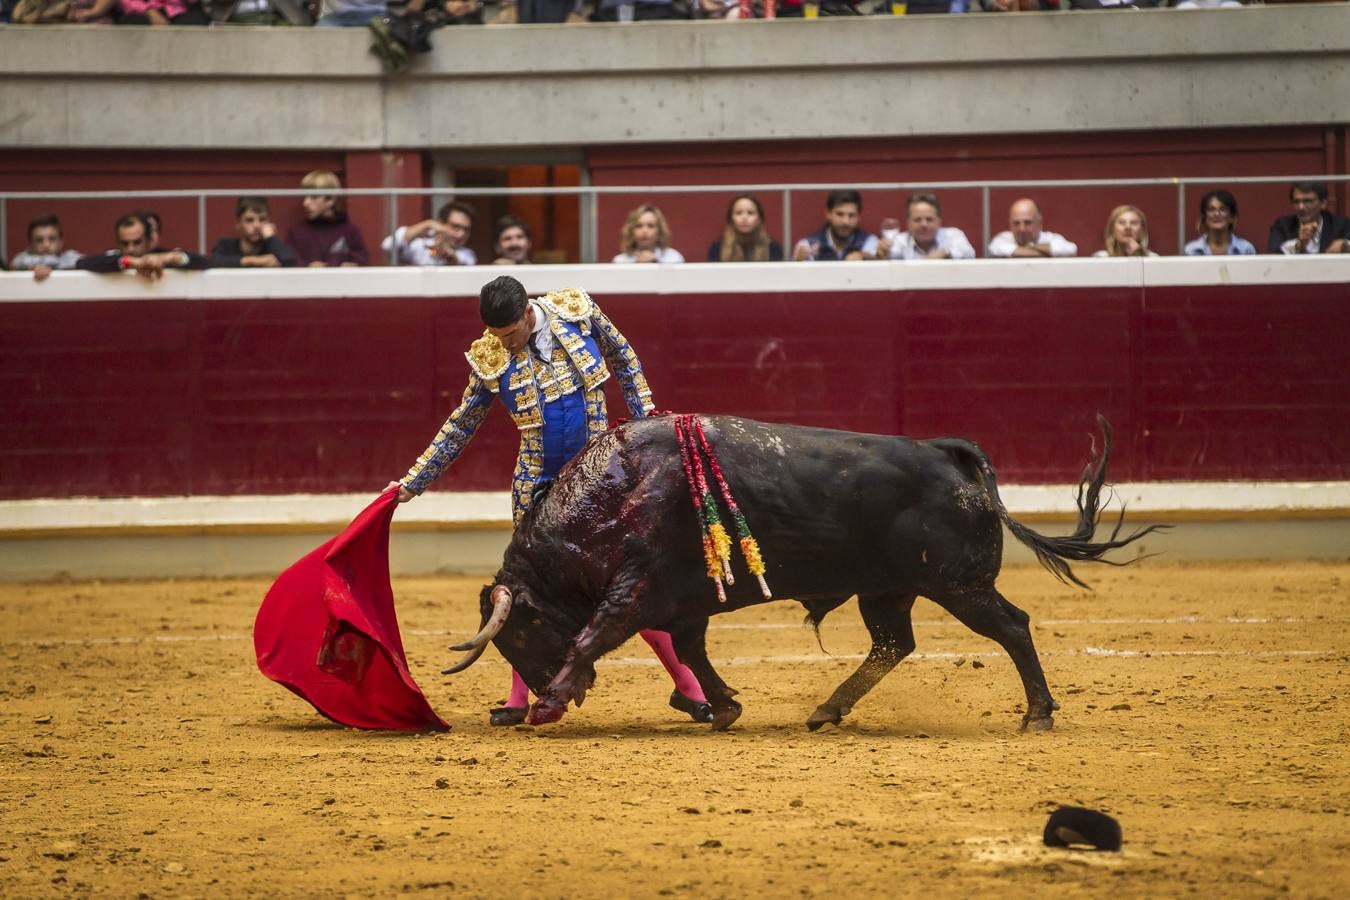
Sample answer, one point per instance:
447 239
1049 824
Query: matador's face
515 335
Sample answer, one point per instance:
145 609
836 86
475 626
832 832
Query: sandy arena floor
1205 707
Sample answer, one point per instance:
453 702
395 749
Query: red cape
327 631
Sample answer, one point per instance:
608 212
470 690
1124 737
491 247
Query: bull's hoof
724 716
546 712
1040 723
508 715
824 715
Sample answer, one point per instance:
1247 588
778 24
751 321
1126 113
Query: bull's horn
501 608
468 660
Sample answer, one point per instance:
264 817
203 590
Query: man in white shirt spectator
434 242
1025 236
926 238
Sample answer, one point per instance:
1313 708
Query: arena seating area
421 18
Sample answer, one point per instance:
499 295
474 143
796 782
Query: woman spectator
1126 233
646 238
1218 218
744 239
161 12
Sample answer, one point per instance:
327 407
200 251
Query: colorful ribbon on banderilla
694 446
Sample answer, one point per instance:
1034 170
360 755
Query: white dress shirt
417 252
1003 244
953 240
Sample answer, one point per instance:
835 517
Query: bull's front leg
611 625
691 647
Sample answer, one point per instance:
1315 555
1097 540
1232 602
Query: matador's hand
404 495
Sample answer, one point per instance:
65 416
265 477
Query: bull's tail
1055 552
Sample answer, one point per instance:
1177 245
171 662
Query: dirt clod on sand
1204 708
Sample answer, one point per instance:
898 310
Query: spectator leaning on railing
434 242
136 251
1026 237
46 249
926 238
257 244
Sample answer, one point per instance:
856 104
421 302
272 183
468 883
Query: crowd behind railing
400 29
326 237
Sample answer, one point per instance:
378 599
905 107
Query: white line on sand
726 661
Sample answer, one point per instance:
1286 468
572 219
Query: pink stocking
685 682
520 694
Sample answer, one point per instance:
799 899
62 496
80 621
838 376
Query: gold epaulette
488 358
569 304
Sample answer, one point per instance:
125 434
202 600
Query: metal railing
590 212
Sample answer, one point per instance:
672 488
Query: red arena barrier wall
235 383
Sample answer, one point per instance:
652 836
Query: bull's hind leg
986 612
691 646
887 618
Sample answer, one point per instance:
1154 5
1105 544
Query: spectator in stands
641 11
155 237
1019 5
1026 237
1218 218
45 251
840 238
926 237
511 242
921 7
261 12
55 12
406 28
543 12
790 9
326 237
745 239
1311 229
161 12
135 251
1126 233
257 244
349 13
645 238
434 242
92 12
153 224
1116 4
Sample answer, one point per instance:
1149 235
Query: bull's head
534 640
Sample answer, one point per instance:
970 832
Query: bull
614 547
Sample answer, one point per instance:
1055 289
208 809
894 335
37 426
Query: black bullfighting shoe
698 710
508 715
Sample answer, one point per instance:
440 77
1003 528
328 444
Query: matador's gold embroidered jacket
582 335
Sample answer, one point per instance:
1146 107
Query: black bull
615 547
